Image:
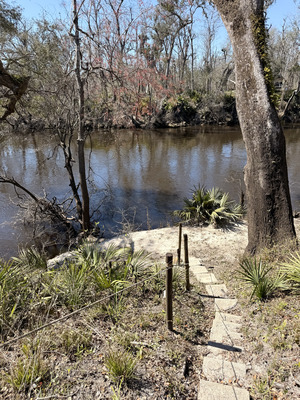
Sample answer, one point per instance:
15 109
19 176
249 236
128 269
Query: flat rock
198 269
58 261
219 290
218 348
194 261
206 278
229 326
226 332
225 304
227 317
219 369
217 391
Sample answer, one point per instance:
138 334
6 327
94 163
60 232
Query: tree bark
270 219
16 86
81 137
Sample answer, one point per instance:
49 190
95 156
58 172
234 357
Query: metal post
186 262
169 294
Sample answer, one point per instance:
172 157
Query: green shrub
291 269
209 206
71 284
31 259
256 273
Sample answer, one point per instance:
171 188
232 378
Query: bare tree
81 134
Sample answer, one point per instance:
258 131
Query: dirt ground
169 363
271 329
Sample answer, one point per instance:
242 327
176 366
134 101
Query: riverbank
78 356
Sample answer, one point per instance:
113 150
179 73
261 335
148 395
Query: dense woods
166 63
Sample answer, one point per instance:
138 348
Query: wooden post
179 243
169 294
186 262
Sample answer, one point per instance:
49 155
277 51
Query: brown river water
139 177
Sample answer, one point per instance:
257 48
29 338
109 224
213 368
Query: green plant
13 294
117 392
261 388
92 254
116 307
256 273
121 365
291 269
30 369
71 284
75 341
31 259
139 262
209 206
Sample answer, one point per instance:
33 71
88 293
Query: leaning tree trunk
17 87
270 218
81 138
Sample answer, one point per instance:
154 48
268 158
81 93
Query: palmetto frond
208 206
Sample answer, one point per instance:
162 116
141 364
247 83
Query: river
138 177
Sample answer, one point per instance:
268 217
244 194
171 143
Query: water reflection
145 172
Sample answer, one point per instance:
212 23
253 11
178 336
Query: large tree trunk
270 218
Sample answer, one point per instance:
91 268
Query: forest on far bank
165 64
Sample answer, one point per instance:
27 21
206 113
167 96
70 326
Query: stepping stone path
223 374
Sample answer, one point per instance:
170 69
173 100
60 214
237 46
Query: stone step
219 369
198 269
206 278
217 391
227 317
194 261
226 332
225 304
223 349
228 326
219 290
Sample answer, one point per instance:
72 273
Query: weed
75 341
30 369
117 392
261 388
115 309
14 293
121 365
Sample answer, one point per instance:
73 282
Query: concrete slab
217 348
225 337
225 332
225 304
227 325
228 317
219 369
194 261
206 278
217 391
198 269
217 290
